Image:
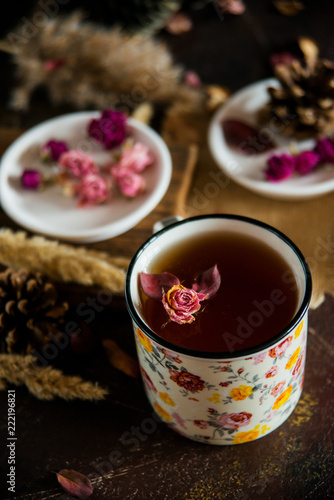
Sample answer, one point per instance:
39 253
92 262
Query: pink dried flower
306 162
31 179
181 303
52 65
279 167
52 150
129 183
234 7
285 58
92 190
109 129
325 148
78 163
192 79
136 158
179 23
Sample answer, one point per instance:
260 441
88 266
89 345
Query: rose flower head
92 190
129 183
77 163
52 150
31 179
181 303
136 158
109 129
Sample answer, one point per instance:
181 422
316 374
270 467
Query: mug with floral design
227 397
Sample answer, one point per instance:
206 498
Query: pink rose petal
208 282
153 285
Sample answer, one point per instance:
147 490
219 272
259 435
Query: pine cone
30 313
305 102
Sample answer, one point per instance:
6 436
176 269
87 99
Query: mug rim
220 354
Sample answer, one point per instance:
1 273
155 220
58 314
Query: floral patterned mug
229 397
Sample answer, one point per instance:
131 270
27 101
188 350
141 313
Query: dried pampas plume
85 65
61 262
46 382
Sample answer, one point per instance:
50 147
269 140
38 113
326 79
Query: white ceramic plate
247 170
49 212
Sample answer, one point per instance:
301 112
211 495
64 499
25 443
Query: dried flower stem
187 180
46 382
62 262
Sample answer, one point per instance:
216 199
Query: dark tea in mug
257 297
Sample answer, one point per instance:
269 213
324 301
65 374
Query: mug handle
161 224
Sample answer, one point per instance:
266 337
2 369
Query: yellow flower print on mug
245 437
145 341
162 413
166 398
282 398
299 329
241 392
293 359
215 398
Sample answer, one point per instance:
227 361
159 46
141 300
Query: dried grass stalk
61 262
46 382
105 67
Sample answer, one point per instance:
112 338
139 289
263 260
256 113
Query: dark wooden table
117 442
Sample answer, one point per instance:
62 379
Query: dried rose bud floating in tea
180 303
255 299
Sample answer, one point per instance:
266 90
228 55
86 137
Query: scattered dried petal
234 7
119 359
244 138
74 483
154 285
179 23
208 282
288 7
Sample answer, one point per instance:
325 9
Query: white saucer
49 212
247 170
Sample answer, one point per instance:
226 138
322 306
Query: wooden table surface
117 443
